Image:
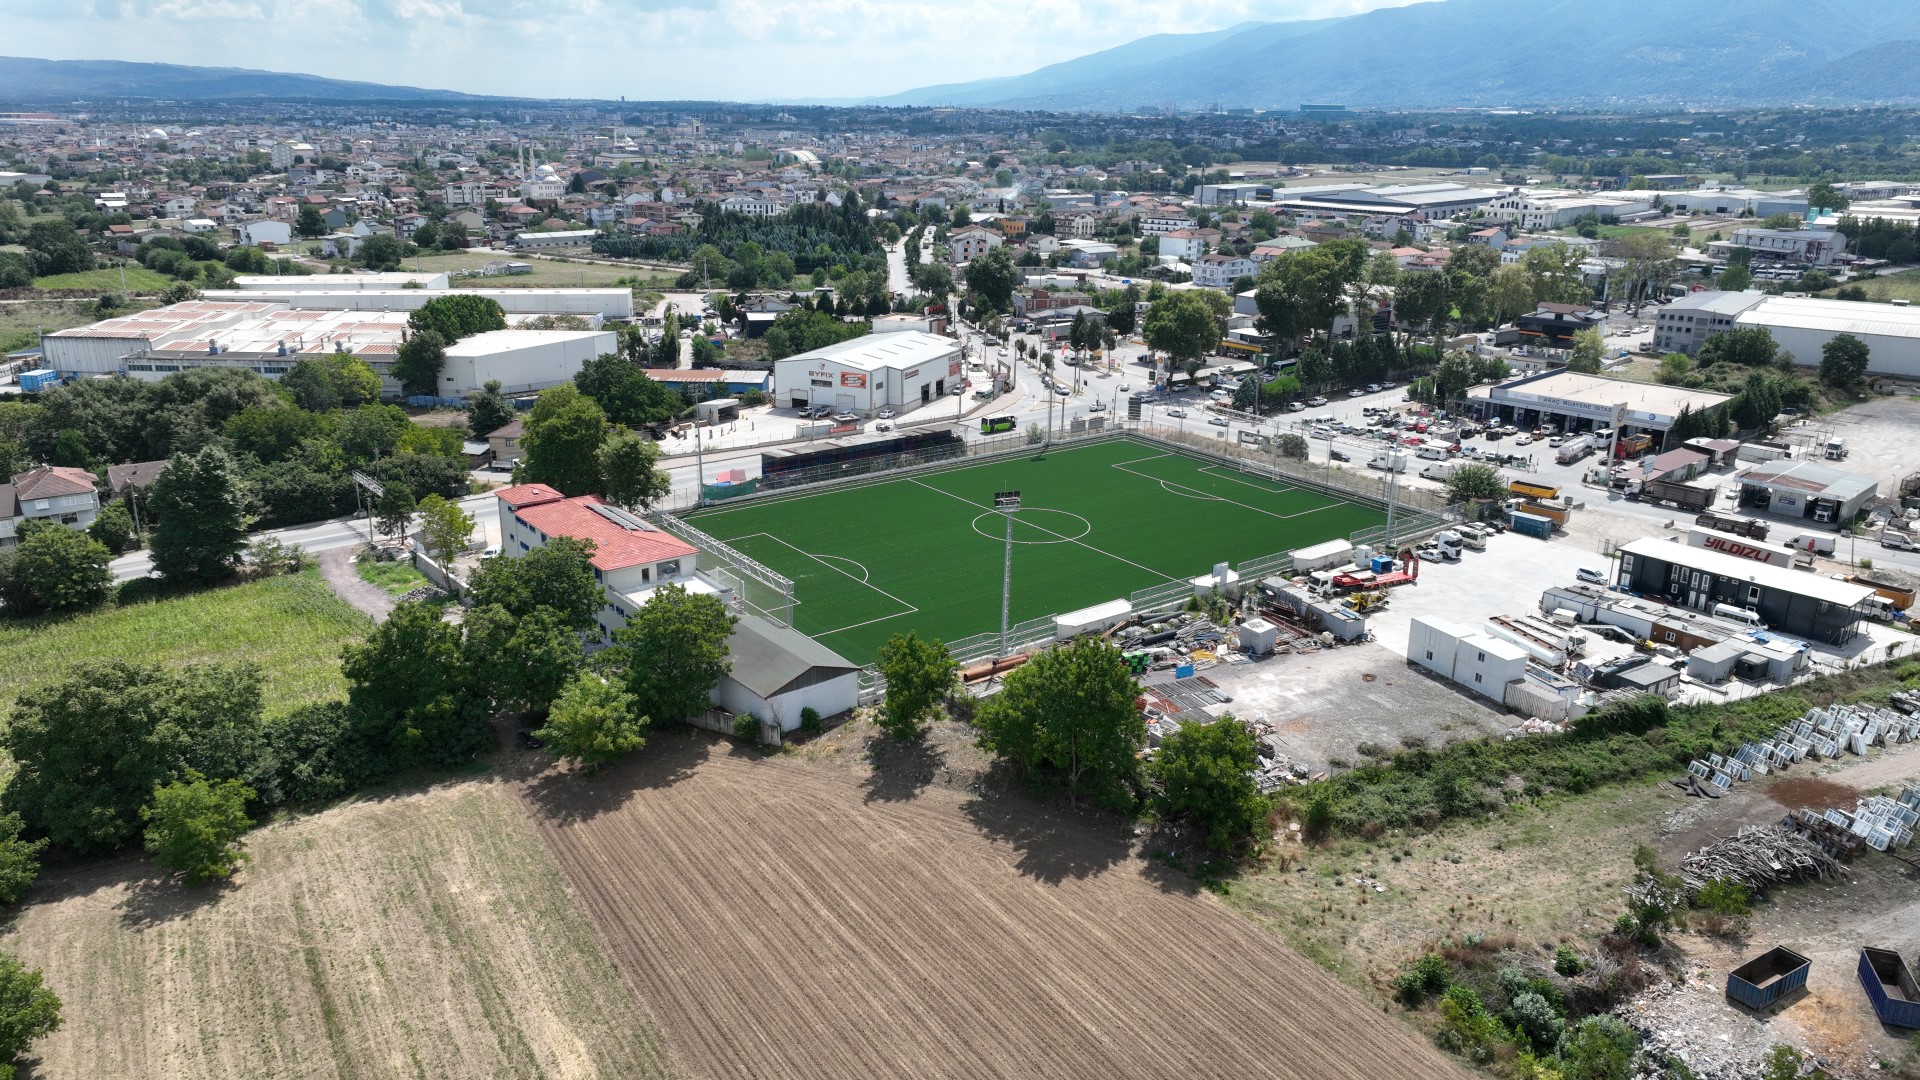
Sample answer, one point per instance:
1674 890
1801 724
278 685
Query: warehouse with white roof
1803 324
900 371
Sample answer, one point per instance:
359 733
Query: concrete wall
828 698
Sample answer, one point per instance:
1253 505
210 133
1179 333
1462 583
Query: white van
1737 614
1433 451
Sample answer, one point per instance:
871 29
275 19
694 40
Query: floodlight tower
1007 503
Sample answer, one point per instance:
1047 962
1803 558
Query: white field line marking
1050 532
822 560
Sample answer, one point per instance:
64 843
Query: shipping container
35 381
1530 525
1889 985
1764 980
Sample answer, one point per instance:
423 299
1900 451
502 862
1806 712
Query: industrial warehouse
1801 325
1575 402
900 371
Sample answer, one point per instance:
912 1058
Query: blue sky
644 49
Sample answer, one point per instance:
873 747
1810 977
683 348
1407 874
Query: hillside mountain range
25 79
1480 53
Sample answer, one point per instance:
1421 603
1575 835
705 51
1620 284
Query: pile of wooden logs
1759 856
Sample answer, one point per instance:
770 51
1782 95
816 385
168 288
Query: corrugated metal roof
1834 316
1798 582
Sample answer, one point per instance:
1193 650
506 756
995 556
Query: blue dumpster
1765 979
37 380
1540 528
1889 985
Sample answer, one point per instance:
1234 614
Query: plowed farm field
783 919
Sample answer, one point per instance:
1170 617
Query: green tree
1206 776
1735 278
919 675
309 223
1843 361
593 722
91 747
1290 446
380 252
393 510
1420 300
419 362
1598 1048
1510 291
457 316
1589 351
1475 481
1824 196
489 410
1675 369
625 393
411 694
1069 712
445 529
199 505
564 432
195 827
1554 271
1182 325
557 576
19 859
521 662
325 383
56 248
53 569
990 278
28 1010
1752 347
630 476
933 278
1315 369
674 651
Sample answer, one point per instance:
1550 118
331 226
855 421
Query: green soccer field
1096 523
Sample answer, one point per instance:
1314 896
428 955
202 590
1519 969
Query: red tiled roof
615 545
527 495
52 482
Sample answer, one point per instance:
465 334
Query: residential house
136 476
505 441
47 493
1221 271
1083 224
1189 244
967 244
1268 250
631 557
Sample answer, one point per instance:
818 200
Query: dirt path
336 565
788 919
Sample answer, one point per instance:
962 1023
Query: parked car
1590 576
1177 412
1217 421
845 418
1523 440
1373 388
1355 393
1556 440
491 551
886 414
1316 401
1292 406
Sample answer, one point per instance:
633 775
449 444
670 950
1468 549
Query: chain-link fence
756 588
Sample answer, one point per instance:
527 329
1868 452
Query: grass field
425 935
1904 285
1097 523
547 273
292 627
22 324
397 578
138 279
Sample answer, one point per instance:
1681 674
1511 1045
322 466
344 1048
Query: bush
1567 962
1598 1048
1537 1019
1430 975
274 557
746 728
195 827
810 720
1466 1028
1724 897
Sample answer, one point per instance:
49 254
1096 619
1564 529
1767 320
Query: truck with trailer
1901 596
1529 490
1632 445
1738 526
1685 496
1574 449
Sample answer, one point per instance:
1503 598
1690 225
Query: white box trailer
1321 556
1093 619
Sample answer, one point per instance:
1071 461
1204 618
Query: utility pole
1007 503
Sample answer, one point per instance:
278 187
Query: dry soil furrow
780 924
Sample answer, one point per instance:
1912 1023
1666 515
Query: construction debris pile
1197 700
1821 733
1759 856
1172 640
1533 725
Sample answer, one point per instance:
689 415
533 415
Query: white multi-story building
968 244
1814 247
1221 271
47 493
631 557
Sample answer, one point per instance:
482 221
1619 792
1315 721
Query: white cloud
643 49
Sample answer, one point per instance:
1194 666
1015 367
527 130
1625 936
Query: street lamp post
1007 503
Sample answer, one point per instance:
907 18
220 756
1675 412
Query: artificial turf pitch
1096 523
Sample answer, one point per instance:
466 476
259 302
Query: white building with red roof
631 557
47 493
